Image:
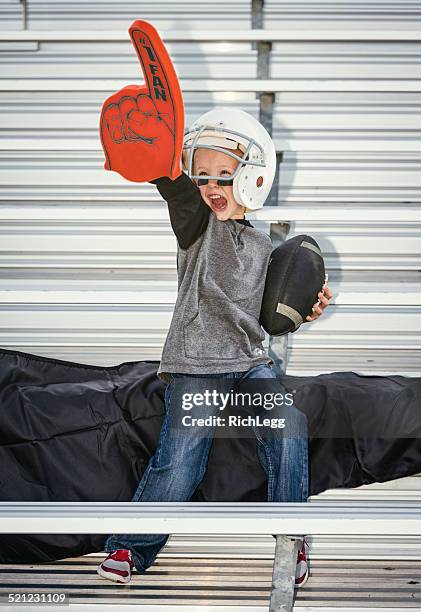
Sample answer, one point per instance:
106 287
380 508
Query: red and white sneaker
117 566
302 571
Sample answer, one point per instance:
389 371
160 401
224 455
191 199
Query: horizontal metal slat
382 361
237 33
150 211
42 291
226 64
322 518
238 85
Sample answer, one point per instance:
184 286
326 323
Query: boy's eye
225 183
223 172
201 182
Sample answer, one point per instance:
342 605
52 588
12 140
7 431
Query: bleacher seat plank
223 584
202 35
214 85
318 518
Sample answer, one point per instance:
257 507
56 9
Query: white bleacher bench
287 521
218 85
244 85
350 214
341 214
248 35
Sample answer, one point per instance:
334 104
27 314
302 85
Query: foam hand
142 126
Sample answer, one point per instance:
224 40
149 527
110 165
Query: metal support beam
283 577
24 14
278 345
257 14
267 101
273 199
278 233
278 352
266 98
264 48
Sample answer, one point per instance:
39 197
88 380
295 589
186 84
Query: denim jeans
180 461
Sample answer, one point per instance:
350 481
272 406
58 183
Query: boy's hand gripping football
324 296
142 126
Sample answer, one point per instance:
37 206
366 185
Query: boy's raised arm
189 214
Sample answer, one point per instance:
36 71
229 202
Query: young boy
215 332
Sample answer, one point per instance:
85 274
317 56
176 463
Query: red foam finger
142 126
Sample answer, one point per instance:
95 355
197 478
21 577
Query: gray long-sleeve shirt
221 276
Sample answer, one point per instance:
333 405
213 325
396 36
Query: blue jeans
180 461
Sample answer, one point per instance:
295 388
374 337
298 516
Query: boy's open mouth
218 202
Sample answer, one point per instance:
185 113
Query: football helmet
230 128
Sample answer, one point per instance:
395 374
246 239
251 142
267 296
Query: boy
215 333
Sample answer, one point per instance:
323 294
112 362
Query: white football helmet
222 128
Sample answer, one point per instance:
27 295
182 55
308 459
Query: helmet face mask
254 174
191 149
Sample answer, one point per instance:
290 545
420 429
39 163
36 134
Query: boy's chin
222 215
225 215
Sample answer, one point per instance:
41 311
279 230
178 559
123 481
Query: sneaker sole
112 576
298 586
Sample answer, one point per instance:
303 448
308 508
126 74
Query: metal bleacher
87 260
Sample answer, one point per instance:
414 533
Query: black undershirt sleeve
189 214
